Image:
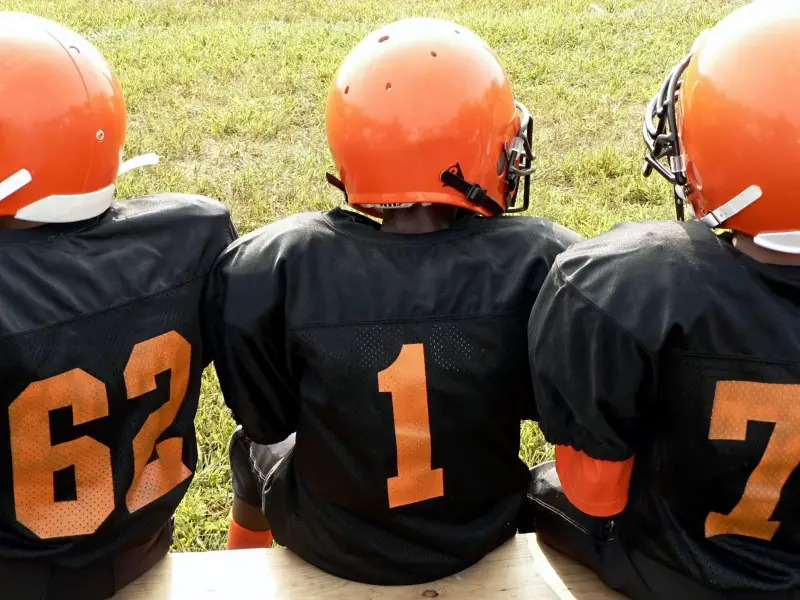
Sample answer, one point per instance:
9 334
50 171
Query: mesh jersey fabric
102 354
663 341
400 361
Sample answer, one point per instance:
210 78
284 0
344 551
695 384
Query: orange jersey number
736 404
35 459
405 380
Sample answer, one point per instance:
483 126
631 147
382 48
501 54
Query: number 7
736 403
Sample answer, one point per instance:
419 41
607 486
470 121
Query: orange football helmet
420 112
62 123
725 129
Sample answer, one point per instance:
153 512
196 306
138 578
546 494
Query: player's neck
12 223
419 219
745 244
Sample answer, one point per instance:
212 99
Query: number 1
405 380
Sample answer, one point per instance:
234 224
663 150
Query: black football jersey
401 362
663 341
101 356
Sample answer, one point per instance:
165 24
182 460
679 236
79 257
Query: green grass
232 94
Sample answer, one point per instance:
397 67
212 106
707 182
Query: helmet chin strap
15 183
787 242
717 217
454 178
145 160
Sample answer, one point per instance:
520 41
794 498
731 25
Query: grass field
231 93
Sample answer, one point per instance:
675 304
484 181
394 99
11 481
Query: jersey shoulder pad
170 208
195 227
263 248
643 275
539 233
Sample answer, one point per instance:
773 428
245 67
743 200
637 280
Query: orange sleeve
596 487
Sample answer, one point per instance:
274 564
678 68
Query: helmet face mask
519 160
665 155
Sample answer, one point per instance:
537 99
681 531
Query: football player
100 336
396 351
666 358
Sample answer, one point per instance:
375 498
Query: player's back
401 362
716 484
102 355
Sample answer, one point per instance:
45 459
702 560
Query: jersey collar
360 226
44 233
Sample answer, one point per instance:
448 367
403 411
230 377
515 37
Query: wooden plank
518 570
568 579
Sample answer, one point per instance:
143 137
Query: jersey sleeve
592 380
227 235
544 242
244 307
598 488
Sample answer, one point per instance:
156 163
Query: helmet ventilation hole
347 89
457 31
433 53
101 135
74 49
388 87
383 39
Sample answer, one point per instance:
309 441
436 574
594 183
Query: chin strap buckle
717 217
453 177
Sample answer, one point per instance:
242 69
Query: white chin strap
14 183
733 207
145 160
787 242
68 208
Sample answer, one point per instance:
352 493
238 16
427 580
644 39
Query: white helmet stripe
14 183
68 208
787 242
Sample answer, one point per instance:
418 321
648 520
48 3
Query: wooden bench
520 569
